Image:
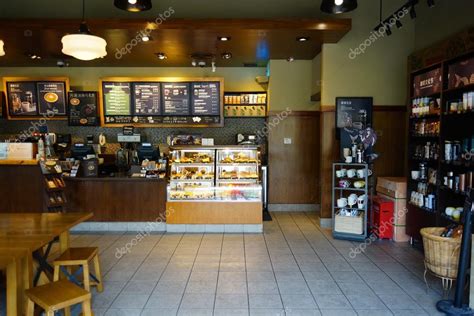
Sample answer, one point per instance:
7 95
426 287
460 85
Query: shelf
347 236
425 116
465 164
236 164
456 115
459 89
428 210
236 180
245 104
432 95
197 164
350 189
445 188
424 136
424 160
55 189
449 218
349 208
192 180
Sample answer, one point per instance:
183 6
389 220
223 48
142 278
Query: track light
302 39
338 6
290 59
133 5
413 12
431 3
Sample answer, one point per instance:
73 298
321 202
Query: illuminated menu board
205 98
147 98
175 98
117 98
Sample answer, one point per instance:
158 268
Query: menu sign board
147 98
205 98
175 98
117 98
51 98
83 109
427 83
461 74
22 98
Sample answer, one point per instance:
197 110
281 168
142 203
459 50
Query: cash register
147 151
80 151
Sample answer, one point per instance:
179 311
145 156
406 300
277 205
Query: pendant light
2 50
338 6
84 45
133 5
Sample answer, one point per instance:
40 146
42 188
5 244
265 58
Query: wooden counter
117 199
18 162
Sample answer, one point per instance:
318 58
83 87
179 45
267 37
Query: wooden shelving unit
54 192
452 127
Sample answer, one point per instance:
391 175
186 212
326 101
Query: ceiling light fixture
146 38
388 31
224 38
338 6
2 49
302 39
227 55
133 5
431 3
84 45
161 56
33 56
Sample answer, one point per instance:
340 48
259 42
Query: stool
80 257
56 296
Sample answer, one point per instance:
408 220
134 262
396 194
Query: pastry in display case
238 192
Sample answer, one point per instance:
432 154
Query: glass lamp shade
133 5
84 46
2 50
330 6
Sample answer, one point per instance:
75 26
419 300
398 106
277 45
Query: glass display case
216 173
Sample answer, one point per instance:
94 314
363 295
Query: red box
383 217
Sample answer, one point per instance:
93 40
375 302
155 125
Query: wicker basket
441 253
349 224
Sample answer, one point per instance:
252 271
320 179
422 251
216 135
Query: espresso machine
127 155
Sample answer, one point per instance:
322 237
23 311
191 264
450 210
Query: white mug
346 152
349 159
352 199
361 173
361 202
342 202
415 174
351 173
341 173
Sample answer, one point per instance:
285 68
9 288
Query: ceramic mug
341 173
342 202
351 173
415 174
352 199
456 214
346 152
361 202
359 184
449 211
349 159
344 183
361 173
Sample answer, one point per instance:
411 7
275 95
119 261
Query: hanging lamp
84 45
133 5
338 6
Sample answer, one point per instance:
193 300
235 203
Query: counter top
14 162
117 178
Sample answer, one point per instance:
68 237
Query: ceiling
257 30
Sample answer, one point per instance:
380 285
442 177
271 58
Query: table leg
64 241
13 289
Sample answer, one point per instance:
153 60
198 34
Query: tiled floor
293 268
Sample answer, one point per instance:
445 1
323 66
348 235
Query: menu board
147 98
205 98
83 109
51 98
117 98
427 83
22 98
175 98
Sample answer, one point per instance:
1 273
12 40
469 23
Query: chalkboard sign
117 98
83 110
51 98
205 98
175 98
22 98
147 98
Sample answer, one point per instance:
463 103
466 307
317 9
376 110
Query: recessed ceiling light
223 38
226 55
133 5
161 56
290 59
34 56
146 38
338 6
302 39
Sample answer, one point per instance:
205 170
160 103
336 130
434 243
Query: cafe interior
163 157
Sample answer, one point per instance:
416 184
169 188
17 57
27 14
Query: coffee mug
361 202
415 174
342 202
344 183
341 173
346 152
349 159
351 173
359 184
361 173
352 199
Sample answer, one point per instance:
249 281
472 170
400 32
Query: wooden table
23 234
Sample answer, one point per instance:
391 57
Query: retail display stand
55 197
350 227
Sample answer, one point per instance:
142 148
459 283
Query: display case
219 175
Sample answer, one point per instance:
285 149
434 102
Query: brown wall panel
294 168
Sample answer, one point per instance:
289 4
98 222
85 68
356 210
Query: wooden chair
80 257
56 296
